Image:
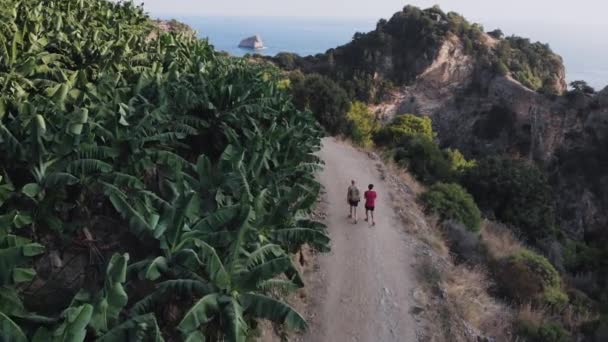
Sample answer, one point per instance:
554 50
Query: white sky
585 12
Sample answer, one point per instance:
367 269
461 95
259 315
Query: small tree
406 126
363 123
582 87
498 34
423 157
452 202
517 192
322 96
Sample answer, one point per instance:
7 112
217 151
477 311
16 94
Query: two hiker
353 198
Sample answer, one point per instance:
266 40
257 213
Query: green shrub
458 162
533 64
528 276
545 332
452 202
579 257
404 127
363 123
324 98
517 192
422 156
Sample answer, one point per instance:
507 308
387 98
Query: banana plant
230 290
200 156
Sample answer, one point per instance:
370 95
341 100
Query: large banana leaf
10 331
236 330
136 329
182 287
73 328
269 269
265 307
299 236
113 297
201 313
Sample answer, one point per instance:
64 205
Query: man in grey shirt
353 198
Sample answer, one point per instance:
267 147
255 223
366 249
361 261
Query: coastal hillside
491 114
486 94
411 41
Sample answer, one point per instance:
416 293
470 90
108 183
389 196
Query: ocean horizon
583 57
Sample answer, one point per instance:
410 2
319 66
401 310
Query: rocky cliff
174 26
482 112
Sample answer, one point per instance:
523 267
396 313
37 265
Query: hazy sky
587 12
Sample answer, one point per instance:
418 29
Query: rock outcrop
482 113
173 26
253 42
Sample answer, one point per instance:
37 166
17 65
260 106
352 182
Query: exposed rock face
253 42
481 113
172 25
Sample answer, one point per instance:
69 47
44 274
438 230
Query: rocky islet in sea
253 42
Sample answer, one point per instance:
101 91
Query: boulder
253 42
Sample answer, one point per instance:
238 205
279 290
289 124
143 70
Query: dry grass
573 319
467 291
458 305
401 174
434 238
532 314
499 240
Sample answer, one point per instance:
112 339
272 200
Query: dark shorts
367 207
353 203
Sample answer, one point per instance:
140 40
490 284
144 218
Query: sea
584 55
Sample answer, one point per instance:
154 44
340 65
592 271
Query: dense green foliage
458 163
363 124
545 332
451 202
528 276
535 65
165 184
403 127
412 140
516 192
324 98
423 157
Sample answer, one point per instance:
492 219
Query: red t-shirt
370 198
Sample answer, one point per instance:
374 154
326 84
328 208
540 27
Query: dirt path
363 291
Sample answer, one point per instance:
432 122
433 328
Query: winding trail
363 290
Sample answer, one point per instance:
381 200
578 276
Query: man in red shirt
370 203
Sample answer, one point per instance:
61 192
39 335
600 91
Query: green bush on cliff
452 202
403 127
423 157
535 65
458 163
363 124
516 192
324 97
527 276
544 332
413 139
